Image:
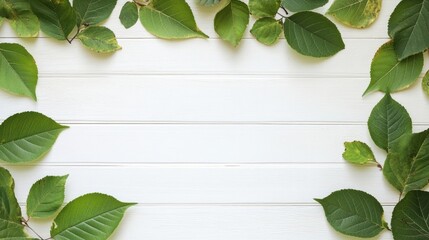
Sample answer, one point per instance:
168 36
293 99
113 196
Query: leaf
170 19
312 34
129 14
267 30
425 83
99 39
19 72
354 213
57 17
93 216
208 3
356 13
92 12
358 153
388 74
388 122
231 22
20 16
303 5
264 8
409 28
46 196
27 136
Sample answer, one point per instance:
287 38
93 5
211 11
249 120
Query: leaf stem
25 223
284 9
74 37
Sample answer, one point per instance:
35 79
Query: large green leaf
358 153
27 137
170 19
129 14
231 22
267 30
20 16
99 39
90 217
409 28
303 5
425 83
19 72
46 196
356 13
91 12
410 219
354 213
388 122
388 74
57 17
312 34
264 8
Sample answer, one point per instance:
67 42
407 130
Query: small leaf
264 8
19 72
208 3
267 30
129 14
354 213
99 39
93 216
27 136
312 34
57 17
388 122
358 153
388 74
303 5
170 19
410 217
356 13
46 196
231 22
92 12
409 28
425 83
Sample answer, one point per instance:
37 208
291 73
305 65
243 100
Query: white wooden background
215 143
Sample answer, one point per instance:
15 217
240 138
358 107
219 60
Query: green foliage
410 217
21 18
267 30
27 136
170 19
93 12
46 196
19 70
425 83
99 39
264 8
129 14
208 2
303 5
354 213
82 216
356 13
312 34
388 74
409 28
358 153
231 22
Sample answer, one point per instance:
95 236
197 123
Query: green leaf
208 3
425 83
91 12
1 20
27 136
170 19
410 217
129 14
20 16
312 34
409 28
93 216
267 30
303 5
57 17
46 196
354 213
356 13
264 8
388 122
358 153
231 22
408 167
19 70
99 39
388 74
